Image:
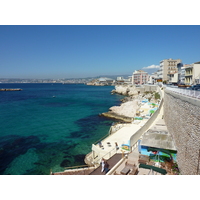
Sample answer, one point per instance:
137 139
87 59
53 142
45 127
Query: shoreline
123 130
146 102
131 103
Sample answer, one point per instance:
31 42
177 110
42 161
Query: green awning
156 149
157 169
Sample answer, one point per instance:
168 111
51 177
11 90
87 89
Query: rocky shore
131 103
125 112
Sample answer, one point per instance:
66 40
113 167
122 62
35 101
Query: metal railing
106 156
105 136
186 92
76 167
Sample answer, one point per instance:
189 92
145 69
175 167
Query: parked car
182 85
195 87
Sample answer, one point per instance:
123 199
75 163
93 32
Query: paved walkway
112 162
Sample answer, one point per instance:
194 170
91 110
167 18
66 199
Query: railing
138 134
186 92
76 167
75 171
106 156
105 136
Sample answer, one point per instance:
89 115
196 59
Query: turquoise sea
50 126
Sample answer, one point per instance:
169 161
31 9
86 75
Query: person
102 165
100 145
106 166
116 145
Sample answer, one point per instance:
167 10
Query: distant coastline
10 89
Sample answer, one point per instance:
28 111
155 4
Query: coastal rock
125 112
121 89
129 90
127 109
132 91
117 117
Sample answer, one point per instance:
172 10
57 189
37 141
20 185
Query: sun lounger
130 168
143 159
125 170
157 169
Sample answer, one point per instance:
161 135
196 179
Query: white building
168 70
192 73
182 77
139 77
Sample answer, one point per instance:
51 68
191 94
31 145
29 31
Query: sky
78 51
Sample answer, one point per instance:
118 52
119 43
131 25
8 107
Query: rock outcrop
125 112
129 90
127 109
131 103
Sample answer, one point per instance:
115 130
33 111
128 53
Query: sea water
51 126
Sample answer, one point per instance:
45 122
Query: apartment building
196 77
192 73
168 70
188 74
182 75
139 77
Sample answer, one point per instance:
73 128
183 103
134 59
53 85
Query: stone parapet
182 117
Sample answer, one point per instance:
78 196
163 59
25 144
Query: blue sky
86 51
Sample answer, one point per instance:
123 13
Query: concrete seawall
182 117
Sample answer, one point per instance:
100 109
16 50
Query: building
196 69
155 77
151 79
192 73
180 73
139 77
182 77
105 81
188 74
168 69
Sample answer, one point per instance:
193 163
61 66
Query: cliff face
129 90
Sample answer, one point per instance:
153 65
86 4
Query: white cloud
151 67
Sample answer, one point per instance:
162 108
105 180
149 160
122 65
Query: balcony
188 74
172 72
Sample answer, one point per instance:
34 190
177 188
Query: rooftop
159 137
